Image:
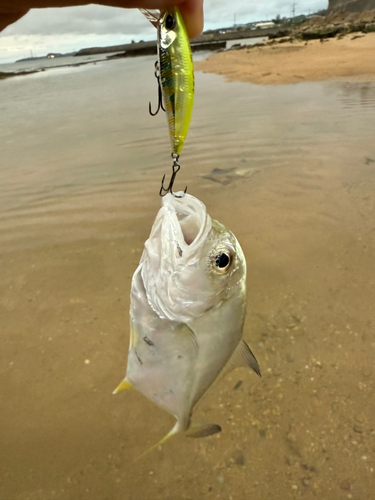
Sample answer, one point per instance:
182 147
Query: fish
187 311
175 72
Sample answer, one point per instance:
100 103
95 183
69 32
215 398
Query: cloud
81 20
109 20
72 28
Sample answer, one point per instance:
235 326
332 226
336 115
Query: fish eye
170 22
222 260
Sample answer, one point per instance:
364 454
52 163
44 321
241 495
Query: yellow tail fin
124 386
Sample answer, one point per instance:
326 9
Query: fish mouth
188 217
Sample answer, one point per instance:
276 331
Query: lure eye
170 22
222 261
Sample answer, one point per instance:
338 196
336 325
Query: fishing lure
188 294
175 74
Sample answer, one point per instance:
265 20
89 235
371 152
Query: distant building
265 25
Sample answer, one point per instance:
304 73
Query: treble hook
160 95
175 168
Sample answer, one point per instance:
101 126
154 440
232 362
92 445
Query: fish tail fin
200 430
125 385
173 432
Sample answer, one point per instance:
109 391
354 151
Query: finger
7 18
192 12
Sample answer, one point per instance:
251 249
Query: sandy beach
290 169
351 57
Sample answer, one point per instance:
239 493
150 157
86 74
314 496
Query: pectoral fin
187 332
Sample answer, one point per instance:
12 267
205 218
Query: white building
265 25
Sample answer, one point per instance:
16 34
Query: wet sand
301 202
305 428
298 61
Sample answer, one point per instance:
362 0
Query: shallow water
81 165
81 132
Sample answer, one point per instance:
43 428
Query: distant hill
351 5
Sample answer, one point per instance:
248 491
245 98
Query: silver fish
188 302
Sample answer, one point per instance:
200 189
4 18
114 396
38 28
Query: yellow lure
176 72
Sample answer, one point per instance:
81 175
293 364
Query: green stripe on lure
175 72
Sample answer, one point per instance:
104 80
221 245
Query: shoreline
288 62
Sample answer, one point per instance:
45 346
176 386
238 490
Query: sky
72 28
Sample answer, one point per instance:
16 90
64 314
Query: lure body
176 73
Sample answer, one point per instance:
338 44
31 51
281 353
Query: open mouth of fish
187 219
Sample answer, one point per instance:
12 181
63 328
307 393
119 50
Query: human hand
191 10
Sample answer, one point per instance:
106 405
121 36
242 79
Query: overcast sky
73 28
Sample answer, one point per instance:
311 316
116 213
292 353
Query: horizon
71 29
